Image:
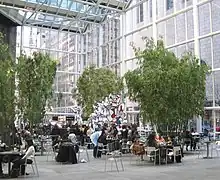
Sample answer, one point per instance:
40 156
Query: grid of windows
140 13
175 23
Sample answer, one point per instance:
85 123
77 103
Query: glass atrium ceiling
64 15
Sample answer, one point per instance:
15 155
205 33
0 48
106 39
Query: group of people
108 134
164 144
98 135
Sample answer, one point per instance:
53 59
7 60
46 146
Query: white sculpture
108 110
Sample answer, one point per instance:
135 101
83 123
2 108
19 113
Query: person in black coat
102 139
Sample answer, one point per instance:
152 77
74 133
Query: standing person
102 140
94 138
89 132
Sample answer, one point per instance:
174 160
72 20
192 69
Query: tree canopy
169 90
7 85
36 75
94 85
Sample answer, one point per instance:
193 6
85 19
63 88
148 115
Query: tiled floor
191 168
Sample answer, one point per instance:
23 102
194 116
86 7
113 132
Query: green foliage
169 90
36 74
7 85
94 85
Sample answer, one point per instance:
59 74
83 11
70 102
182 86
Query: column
196 27
100 41
123 43
197 51
18 53
123 53
214 122
154 19
82 54
86 48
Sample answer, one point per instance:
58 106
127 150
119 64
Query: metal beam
10 17
135 5
73 73
52 50
52 27
43 9
113 5
38 6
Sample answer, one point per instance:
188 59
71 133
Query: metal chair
33 166
102 148
152 154
201 148
114 157
50 150
175 152
83 149
215 147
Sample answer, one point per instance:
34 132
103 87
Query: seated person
159 140
66 153
2 148
187 139
1 170
169 141
73 139
138 149
19 164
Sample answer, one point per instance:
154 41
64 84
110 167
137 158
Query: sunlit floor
191 168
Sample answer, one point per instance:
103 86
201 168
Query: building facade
184 25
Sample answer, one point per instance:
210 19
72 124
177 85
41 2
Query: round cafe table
207 152
10 156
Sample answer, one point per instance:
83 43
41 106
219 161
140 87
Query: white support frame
79 56
196 39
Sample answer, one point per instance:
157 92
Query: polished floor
191 168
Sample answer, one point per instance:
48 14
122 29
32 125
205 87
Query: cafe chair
33 167
152 153
174 153
201 149
216 147
125 148
114 157
102 148
83 149
50 151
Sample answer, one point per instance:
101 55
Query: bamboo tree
94 85
36 74
7 86
169 90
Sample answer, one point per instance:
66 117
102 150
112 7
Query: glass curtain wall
62 46
102 44
184 25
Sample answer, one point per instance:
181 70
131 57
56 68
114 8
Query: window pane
169 4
